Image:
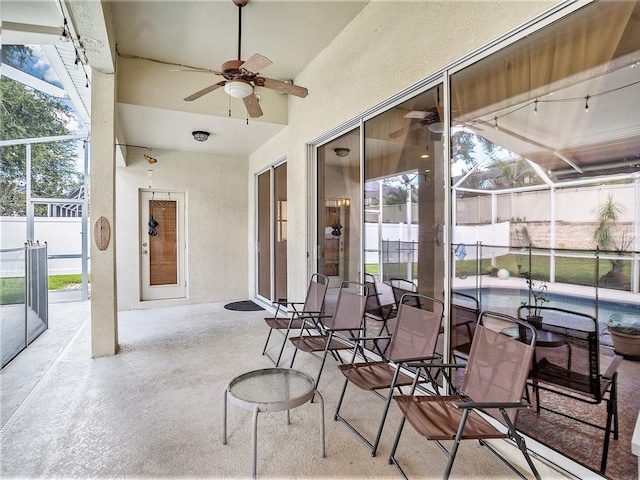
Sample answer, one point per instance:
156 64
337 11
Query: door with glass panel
271 237
163 245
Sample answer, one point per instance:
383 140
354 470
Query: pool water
628 313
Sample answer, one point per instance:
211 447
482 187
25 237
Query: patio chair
311 310
336 332
414 338
493 384
574 372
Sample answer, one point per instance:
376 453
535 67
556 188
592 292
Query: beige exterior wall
215 189
387 48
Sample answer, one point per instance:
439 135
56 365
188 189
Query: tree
608 236
26 113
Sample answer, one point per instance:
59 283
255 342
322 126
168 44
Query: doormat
243 306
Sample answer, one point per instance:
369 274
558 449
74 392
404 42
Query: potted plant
625 335
536 293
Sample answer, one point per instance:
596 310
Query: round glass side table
270 390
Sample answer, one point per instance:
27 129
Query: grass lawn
12 289
575 271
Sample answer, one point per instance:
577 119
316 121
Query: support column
104 299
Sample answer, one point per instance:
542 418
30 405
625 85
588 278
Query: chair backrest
498 364
415 332
373 300
316 293
465 311
401 286
580 331
352 299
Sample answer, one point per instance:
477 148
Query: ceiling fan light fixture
341 151
200 135
437 127
238 88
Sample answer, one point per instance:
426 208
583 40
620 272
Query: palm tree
607 238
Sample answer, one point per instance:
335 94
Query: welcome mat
243 306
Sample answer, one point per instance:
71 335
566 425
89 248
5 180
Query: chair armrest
346 330
384 337
613 366
416 361
283 302
303 314
488 405
436 365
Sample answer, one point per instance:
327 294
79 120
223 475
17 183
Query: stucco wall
215 187
387 48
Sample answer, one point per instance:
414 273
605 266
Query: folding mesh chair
337 331
414 338
494 382
310 310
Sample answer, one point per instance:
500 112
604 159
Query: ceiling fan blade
256 63
282 86
419 114
253 107
204 91
405 130
196 70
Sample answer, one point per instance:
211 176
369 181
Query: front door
162 253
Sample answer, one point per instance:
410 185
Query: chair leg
264 349
392 455
374 449
612 417
293 357
344 389
519 441
613 397
324 358
456 444
284 342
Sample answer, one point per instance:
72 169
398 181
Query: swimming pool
512 298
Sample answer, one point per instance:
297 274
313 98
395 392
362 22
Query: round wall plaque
102 233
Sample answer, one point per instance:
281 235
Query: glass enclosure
544 145
545 141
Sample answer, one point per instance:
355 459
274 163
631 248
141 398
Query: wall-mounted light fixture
341 152
200 135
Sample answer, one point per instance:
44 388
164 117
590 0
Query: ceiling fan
426 118
240 78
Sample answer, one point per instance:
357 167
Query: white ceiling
196 33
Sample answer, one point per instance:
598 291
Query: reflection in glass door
339 207
272 233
